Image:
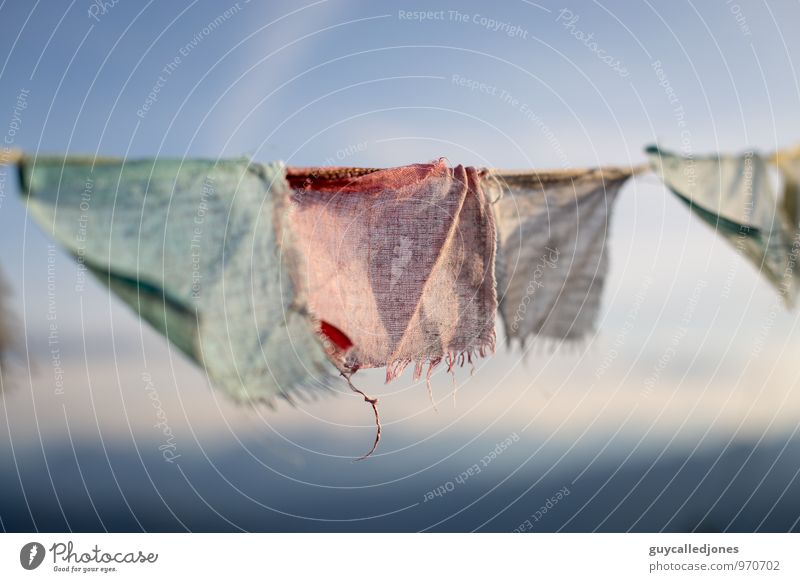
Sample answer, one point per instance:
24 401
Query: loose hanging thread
374 403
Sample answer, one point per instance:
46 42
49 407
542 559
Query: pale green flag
734 195
190 245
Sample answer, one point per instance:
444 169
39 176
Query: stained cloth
396 266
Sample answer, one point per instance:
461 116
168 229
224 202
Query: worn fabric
396 266
552 254
731 192
189 245
789 164
735 196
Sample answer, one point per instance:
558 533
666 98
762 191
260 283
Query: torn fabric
552 255
734 195
190 246
397 265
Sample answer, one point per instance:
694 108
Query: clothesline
275 279
13 156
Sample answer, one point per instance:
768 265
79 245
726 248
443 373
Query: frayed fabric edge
453 359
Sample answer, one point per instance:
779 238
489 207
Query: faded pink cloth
395 266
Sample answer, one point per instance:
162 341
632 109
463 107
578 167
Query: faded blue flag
734 195
190 245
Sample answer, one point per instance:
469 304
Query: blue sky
363 73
